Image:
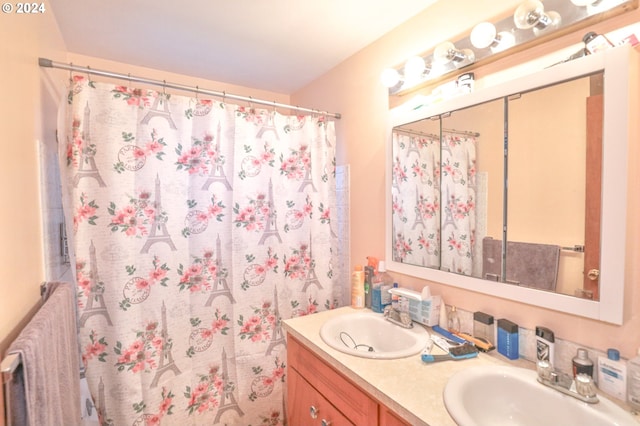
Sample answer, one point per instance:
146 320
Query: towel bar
10 363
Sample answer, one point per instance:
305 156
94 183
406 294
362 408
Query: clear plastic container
633 382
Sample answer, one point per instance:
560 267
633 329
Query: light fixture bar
506 36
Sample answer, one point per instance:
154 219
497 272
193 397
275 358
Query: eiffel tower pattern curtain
434 186
415 194
198 226
459 203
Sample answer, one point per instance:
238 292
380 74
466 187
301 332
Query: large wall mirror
519 190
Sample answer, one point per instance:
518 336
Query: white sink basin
497 395
367 334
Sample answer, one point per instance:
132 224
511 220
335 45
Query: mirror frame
620 67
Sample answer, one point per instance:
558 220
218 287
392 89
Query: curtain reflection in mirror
427 231
459 208
416 198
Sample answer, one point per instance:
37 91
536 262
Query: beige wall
24 38
353 89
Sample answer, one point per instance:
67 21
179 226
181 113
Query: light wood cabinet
308 407
316 392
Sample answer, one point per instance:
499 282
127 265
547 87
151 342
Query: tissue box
426 311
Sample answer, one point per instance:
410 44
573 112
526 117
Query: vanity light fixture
446 52
531 14
485 35
529 22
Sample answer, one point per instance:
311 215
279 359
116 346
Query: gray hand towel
45 389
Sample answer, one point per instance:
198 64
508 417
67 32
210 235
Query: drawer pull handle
313 412
325 422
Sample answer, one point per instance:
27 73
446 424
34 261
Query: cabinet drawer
307 407
348 398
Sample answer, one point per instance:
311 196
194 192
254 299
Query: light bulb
414 68
530 14
390 77
506 40
483 35
441 52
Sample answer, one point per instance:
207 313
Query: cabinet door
306 406
343 394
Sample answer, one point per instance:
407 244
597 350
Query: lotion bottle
357 287
612 375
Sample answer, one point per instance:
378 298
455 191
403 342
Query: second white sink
497 395
367 334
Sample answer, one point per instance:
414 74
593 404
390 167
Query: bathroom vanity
326 386
345 389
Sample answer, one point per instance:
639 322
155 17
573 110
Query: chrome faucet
582 387
398 317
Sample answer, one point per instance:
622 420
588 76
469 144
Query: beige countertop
409 387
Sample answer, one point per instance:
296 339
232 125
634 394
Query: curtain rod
48 63
461 132
415 133
444 130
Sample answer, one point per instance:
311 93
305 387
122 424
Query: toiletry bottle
380 285
443 320
357 287
508 339
596 42
368 277
612 375
545 342
395 299
483 327
454 321
633 382
582 364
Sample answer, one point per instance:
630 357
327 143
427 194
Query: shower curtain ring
197 91
89 73
164 87
224 96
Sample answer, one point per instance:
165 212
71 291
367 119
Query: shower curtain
198 226
459 189
416 199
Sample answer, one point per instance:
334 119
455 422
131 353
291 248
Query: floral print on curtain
459 202
198 226
415 193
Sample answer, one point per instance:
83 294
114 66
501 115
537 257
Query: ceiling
275 45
